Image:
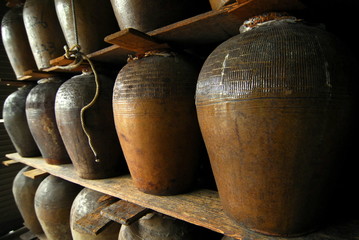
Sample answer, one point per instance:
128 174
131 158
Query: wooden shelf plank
200 207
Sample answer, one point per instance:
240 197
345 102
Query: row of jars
272 106
36 31
52 206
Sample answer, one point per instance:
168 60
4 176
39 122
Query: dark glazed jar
93 23
85 203
156 226
145 15
43 31
16 125
53 201
71 97
16 43
40 114
273 107
156 122
24 189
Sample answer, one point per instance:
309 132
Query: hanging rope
75 53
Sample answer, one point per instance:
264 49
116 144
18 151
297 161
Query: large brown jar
53 201
16 125
145 15
156 122
156 226
43 31
16 43
86 202
105 158
24 189
273 107
40 113
93 23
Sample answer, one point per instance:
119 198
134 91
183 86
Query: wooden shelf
201 207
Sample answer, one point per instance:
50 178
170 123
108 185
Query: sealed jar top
50 80
266 18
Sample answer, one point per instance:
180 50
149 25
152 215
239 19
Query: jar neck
266 18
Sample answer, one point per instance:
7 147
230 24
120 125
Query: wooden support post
124 212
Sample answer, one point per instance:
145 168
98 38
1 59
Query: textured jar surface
16 43
156 122
93 23
43 31
273 105
71 97
148 15
24 189
16 125
40 114
53 201
86 202
155 226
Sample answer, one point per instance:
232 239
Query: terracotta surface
16 43
156 122
40 114
16 125
71 97
273 105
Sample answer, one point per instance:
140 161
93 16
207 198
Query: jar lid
264 18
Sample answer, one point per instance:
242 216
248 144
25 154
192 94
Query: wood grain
201 207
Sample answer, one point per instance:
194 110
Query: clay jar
86 202
40 113
71 97
146 15
24 189
16 125
273 107
156 122
156 226
16 43
43 31
93 23
53 201
217 4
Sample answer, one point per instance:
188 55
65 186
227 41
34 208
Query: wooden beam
35 173
134 40
9 162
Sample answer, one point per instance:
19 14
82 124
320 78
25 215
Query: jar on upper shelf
273 106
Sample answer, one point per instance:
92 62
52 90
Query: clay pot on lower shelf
71 97
16 43
16 125
156 122
40 114
85 203
156 226
273 105
24 189
93 23
53 201
43 31
146 15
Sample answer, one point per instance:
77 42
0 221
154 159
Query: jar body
71 97
85 203
93 23
16 125
43 31
40 114
53 201
16 43
147 16
273 105
24 189
156 123
155 226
